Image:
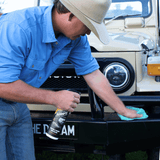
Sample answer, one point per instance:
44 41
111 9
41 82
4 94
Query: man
34 42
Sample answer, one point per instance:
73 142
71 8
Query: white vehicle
131 62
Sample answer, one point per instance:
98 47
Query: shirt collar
48 32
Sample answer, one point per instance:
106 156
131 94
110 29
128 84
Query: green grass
48 155
138 155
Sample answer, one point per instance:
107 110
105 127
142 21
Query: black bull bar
108 130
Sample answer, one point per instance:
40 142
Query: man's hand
131 113
66 100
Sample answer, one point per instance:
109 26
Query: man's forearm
19 91
99 84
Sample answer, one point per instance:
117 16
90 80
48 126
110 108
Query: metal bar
97 109
145 100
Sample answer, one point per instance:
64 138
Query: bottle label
57 123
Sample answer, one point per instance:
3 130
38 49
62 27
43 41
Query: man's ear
71 16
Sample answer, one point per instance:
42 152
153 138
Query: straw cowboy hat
91 13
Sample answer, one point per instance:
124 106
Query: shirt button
56 43
32 66
40 77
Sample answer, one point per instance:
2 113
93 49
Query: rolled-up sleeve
82 58
13 47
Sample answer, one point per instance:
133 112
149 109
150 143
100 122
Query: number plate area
69 129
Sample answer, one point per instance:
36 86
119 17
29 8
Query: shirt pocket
31 69
36 65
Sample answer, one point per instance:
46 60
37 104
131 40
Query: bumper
100 128
117 136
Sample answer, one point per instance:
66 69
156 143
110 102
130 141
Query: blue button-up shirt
29 50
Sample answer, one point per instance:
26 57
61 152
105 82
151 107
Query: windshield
118 7
141 8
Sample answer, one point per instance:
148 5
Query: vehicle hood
126 41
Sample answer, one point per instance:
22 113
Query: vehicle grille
62 83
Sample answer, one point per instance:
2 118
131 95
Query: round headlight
117 74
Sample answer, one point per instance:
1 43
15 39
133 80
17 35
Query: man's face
76 29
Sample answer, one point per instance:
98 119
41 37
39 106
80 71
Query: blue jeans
16 133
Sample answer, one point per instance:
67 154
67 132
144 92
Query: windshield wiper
122 15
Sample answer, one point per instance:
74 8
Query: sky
12 5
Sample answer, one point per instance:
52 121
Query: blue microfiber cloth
139 111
